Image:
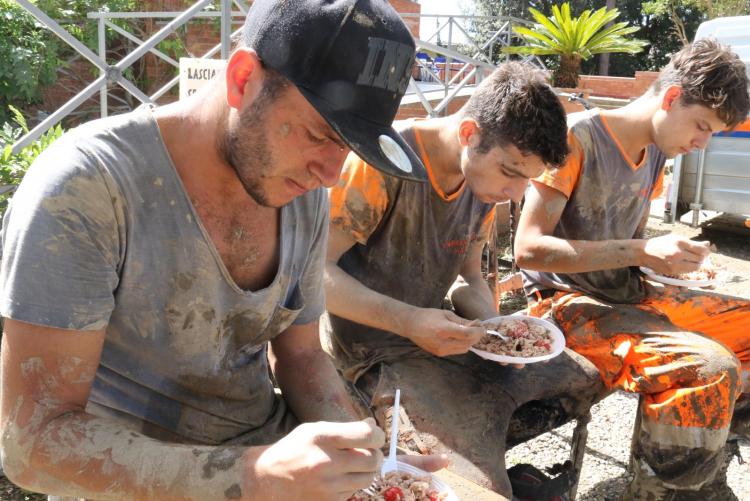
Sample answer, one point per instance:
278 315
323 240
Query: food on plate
400 486
705 272
524 339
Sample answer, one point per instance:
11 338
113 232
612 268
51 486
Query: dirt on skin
732 253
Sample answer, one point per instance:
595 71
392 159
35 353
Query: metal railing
463 60
113 73
459 63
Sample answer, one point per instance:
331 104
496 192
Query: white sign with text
196 72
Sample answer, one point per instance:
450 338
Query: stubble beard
245 148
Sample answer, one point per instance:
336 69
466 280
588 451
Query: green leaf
581 36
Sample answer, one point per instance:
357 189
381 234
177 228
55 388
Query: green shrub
29 54
14 166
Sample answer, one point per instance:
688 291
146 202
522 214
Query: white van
717 178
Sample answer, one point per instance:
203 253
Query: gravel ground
605 466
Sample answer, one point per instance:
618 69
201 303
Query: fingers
432 462
443 333
363 434
695 251
359 460
348 484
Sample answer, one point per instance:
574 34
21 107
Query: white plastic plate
558 342
676 281
435 482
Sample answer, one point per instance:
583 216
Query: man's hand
672 254
441 332
321 461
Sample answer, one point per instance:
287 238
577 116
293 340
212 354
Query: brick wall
199 35
417 110
618 87
408 7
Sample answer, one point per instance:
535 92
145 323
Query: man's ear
468 132
244 76
671 95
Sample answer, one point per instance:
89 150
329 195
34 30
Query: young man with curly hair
580 243
397 247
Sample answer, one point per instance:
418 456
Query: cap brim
382 147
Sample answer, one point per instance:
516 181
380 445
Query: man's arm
51 445
440 332
470 294
537 249
307 378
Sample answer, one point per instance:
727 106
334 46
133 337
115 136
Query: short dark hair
709 74
515 105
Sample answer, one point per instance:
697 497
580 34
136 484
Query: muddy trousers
461 406
683 351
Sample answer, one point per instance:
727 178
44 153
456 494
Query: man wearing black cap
150 259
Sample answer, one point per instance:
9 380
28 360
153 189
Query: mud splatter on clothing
101 233
607 198
678 348
411 244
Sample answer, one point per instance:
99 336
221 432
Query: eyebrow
511 170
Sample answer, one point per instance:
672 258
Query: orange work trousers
684 352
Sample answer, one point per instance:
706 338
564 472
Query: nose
516 189
328 168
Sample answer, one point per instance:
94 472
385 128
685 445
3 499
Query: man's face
281 148
684 128
501 174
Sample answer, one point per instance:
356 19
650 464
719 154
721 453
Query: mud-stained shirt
411 242
608 196
102 235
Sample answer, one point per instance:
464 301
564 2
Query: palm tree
574 39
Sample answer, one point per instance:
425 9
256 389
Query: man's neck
632 127
189 130
440 141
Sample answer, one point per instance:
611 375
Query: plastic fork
495 333
390 463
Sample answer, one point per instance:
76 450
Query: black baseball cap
352 61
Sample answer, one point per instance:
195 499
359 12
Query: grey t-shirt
608 202
101 234
414 253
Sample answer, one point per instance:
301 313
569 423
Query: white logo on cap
394 152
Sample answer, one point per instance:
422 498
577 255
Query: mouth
295 187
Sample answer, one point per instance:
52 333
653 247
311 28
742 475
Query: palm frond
581 36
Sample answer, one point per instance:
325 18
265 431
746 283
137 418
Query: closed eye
507 172
314 138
